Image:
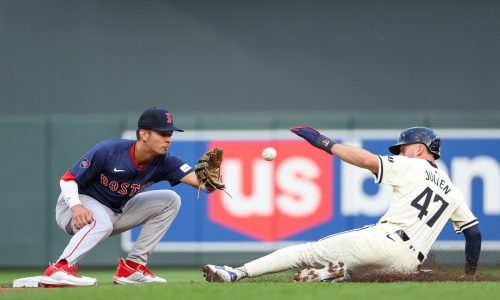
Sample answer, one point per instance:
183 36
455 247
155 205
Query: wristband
324 143
69 191
72 201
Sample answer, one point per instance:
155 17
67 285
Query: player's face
159 141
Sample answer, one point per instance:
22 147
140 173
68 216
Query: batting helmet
420 135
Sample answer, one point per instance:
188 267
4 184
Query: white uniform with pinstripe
424 199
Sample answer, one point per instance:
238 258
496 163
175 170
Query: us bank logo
272 200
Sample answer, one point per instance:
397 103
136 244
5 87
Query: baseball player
103 194
424 199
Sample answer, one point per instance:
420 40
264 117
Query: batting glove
314 138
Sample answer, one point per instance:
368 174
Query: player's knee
176 201
172 201
104 227
305 255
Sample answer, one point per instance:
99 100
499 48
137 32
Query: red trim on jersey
81 240
132 151
68 176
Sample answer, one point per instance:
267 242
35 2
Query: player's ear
143 134
421 149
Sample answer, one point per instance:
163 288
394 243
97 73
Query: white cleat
334 272
64 276
213 273
127 275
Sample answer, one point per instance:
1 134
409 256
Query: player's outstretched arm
350 154
357 156
472 249
191 179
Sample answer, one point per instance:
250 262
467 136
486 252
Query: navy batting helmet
420 135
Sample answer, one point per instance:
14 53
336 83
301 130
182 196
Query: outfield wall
38 149
120 55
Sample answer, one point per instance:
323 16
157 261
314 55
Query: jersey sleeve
88 165
463 218
392 169
175 169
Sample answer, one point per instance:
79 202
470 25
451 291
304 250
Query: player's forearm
350 154
356 156
472 248
69 191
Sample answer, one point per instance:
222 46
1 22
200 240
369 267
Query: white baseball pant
373 248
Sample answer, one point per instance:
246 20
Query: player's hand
314 138
81 216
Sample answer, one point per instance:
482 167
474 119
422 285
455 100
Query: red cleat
64 275
128 275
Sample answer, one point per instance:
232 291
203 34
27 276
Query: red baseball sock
132 264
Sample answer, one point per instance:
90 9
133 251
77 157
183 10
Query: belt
405 238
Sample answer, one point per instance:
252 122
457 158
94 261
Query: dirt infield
423 276
9 288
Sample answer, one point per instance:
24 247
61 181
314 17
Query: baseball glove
207 170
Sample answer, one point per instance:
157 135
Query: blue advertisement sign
305 194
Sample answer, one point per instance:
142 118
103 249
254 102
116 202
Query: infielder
103 194
424 199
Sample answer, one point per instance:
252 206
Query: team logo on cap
169 117
85 163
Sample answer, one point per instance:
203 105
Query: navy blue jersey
109 174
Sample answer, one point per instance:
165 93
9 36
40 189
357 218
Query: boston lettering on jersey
434 177
109 173
124 188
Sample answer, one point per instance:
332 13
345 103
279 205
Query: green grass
190 284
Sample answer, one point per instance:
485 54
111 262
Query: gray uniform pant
155 210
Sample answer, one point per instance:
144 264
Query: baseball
269 153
